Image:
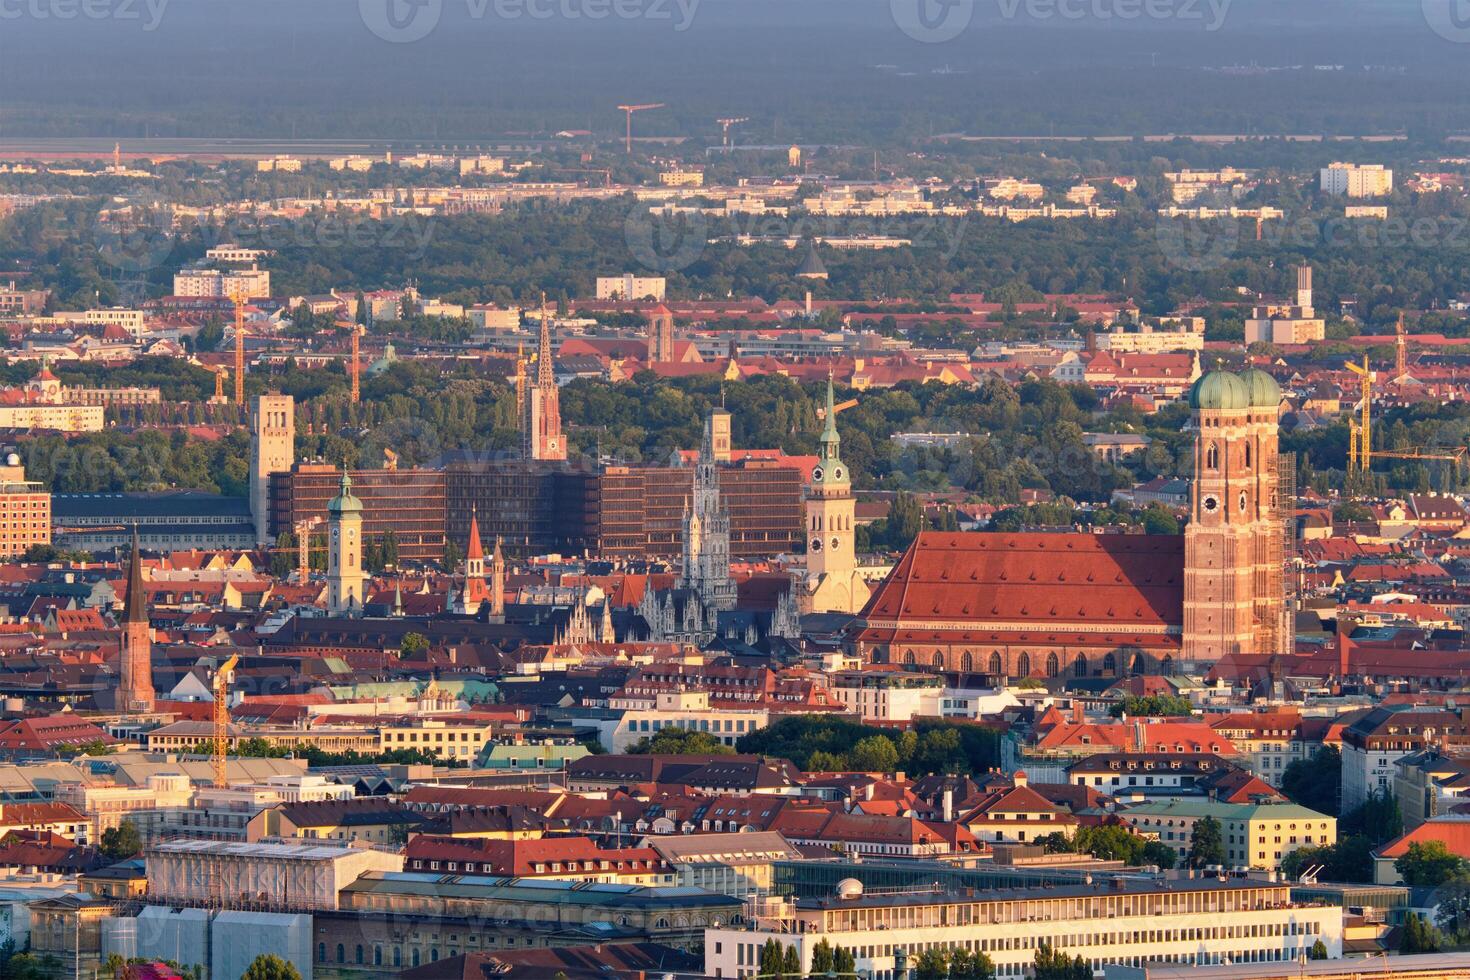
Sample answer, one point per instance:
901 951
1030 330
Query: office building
25 510
408 502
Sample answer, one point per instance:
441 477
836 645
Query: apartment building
1256 835
1356 180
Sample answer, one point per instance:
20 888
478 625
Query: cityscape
904 490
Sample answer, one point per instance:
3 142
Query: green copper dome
1219 389
344 502
1263 390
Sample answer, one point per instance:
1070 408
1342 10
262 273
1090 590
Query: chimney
808 302
1077 715
947 805
1139 743
1019 778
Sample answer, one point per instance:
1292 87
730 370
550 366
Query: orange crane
355 368
222 720
725 125
837 409
239 300
1401 351
630 109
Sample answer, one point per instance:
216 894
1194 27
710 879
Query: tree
283 557
844 963
268 966
1419 936
773 960
932 964
1157 520
1430 864
680 741
1315 783
1052 964
791 962
1206 847
122 841
1318 951
1152 706
413 646
821 958
964 965
1157 852
876 753
1379 819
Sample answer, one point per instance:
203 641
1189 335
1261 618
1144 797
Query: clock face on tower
817 474
836 543
1210 503
816 544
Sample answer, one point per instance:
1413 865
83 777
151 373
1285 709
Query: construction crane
222 720
355 367
1401 351
303 548
725 125
220 374
630 109
837 409
1360 433
239 300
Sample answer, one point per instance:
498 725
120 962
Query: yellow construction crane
303 548
239 300
222 719
1360 433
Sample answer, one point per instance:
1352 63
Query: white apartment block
253 283
1177 920
689 711
235 253
130 320
1357 180
631 287
359 165
883 695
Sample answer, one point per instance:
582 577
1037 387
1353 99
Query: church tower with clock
833 583
1234 541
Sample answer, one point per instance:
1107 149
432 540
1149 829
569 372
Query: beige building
631 287
738 865
1255 835
253 283
108 806
446 738
1295 323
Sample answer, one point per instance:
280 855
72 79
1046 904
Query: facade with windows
1255 835
1128 922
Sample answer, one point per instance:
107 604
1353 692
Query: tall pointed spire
137 595
544 371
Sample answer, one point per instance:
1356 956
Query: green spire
830 472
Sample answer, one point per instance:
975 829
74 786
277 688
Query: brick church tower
1233 545
136 692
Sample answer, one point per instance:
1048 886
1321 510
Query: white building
1357 180
631 287
889 695
253 283
235 253
1119 921
129 320
489 317
686 710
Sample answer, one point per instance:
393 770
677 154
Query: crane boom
630 109
222 719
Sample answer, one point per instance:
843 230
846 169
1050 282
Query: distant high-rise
541 435
136 690
1304 288
272 450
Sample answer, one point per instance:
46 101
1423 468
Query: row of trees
820 743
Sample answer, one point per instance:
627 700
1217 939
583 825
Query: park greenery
817 743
